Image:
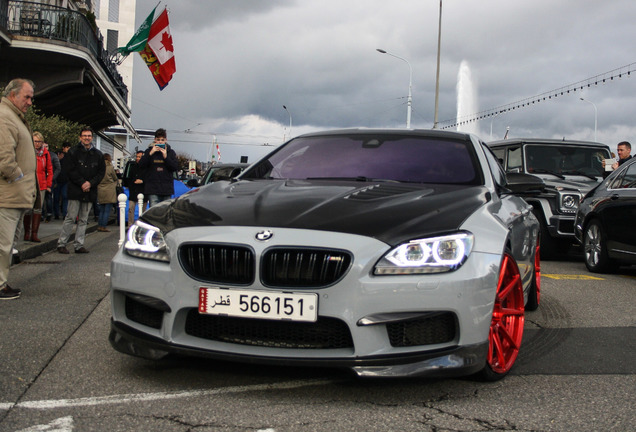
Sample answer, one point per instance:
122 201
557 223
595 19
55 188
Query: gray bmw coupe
389 252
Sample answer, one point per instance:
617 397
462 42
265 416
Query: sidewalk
49 233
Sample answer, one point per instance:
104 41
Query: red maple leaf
166 41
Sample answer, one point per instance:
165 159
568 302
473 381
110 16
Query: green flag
140 38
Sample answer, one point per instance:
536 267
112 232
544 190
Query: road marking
63 424
145 397
570 277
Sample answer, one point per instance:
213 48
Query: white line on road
146 397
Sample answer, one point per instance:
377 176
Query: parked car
605 221
569 169
390 252
220 171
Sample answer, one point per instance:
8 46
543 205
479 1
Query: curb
31 250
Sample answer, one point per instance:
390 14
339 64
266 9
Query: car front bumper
154 303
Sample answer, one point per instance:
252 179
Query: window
388 157
627 180
112 41
113 11
514 163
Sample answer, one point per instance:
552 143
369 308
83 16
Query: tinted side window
495 166
627 180
500 154
514 162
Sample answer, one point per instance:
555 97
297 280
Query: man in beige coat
18 181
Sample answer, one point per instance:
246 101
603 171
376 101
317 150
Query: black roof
561 142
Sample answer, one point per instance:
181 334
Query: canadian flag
160 43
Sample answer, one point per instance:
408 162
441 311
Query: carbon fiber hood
391 212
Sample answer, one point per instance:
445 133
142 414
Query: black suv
569 170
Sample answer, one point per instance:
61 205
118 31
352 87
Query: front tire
595 249
506 326
551 248
534 296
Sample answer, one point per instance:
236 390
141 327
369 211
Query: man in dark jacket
134 181
159 162
85 169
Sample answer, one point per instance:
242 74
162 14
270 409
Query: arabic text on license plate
259 304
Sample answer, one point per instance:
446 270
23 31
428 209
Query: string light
562 91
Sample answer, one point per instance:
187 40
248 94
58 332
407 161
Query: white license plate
259 304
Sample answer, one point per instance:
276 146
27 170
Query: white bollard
122 198
140 203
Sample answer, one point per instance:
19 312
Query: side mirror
192 183
524 183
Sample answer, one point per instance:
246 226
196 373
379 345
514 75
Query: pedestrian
85 169
134 181
160 163
18 180
55 161
107 193
60 193
623 149
44 171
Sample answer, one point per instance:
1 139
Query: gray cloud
239 62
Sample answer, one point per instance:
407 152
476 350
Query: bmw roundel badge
264 235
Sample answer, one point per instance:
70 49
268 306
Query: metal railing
56 23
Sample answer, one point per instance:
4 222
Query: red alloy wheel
506 327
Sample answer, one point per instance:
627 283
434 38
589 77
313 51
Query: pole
409 99
439 44
595 115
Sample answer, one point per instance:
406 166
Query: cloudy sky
240 61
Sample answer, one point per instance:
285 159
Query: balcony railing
56 23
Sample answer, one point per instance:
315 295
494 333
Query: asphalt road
576 370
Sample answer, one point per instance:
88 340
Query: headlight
146 241
569 201
432 255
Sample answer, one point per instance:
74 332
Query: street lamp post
595 115
290 121
409 99
439 45
492 120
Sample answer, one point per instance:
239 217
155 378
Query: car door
620 215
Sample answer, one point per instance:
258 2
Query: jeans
47 208
104 214
60 199
80 210
156 199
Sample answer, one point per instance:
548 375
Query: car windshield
565 160
221 173
403 158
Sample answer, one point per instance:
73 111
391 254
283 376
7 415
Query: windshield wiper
544 171
358 178
581 173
